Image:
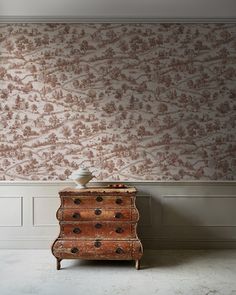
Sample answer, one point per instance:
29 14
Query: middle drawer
128 214
98 230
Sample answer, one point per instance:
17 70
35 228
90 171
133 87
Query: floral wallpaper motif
132 102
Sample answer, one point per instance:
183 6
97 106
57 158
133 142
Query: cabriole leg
58 264
137 264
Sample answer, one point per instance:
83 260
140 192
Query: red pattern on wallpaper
131 102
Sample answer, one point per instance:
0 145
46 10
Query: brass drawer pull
118 215
99 199
119 251
74 250
98 225
76 215
77 201
119 201
77 230
119 230
97 244
98 211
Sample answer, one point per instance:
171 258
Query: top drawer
94 201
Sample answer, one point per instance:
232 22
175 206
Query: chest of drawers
98 223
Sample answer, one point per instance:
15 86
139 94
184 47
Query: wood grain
97 190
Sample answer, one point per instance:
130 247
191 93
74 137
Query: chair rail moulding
100 183
117 20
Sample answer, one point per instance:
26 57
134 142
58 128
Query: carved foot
137 264
58 264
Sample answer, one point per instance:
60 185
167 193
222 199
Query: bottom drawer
98 249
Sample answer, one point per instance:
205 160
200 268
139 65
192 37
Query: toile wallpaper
136 102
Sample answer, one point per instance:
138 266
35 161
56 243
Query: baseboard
155 244
26 244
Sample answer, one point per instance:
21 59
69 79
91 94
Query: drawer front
98 214
98 230
97 201
112 250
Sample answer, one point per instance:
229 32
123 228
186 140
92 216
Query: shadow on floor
173 258
151 259
97 263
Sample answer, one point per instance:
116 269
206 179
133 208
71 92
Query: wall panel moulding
172 215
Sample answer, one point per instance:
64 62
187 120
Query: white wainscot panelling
144 203
44 211
172 214
199 211
10 211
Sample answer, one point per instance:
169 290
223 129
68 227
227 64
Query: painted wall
132 102
123 8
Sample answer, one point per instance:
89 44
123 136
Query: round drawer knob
77 201
77 230
99 199
119 251
119 201
76 215
97 244
98 225
98 211
119 230
118 215
74 250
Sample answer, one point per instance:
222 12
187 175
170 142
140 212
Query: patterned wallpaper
137 102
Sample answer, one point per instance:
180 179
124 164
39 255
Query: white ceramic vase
81 177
